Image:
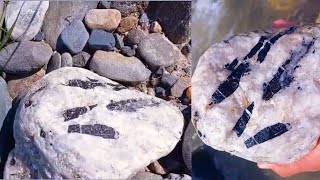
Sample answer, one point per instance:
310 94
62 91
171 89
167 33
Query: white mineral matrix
257 95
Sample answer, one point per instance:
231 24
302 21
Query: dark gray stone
24 57
39 36
54 62
60 14
179 87
174 17
187 146
161 92
186 49
128 51
105 4
74 37
158 51
128 7
66 60
101 40
135 36
119 41
81 59
168 80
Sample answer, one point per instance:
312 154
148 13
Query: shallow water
214 20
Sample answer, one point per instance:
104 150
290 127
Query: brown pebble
127 23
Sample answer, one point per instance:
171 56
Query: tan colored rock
107 19
155 167
18 83
127 23
155 27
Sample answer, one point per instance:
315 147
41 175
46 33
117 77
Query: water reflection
213 20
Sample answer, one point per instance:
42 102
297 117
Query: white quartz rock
29 21
272 113
76 124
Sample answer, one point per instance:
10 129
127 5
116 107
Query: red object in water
281 23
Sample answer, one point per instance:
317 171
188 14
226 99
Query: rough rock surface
178 177
66 60
146 176
54 62
81 59
257 94
158 51
88 133
127 23
129 7
118 67
30 19
107 19
60 14
18 83
25 57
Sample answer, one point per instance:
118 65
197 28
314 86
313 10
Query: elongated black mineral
100 130
74 113
75 128
231 84
267 134
243 120
284 76
232 65
84 84
264 51
131 105
256 48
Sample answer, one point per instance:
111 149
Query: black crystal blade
243 120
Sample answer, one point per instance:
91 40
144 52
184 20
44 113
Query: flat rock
30 19
24 57
118 67
158 51
73 38
88 133
127 23
257 94
129 7
174 18
19 83
54 62
101 40
107 19
81 59
60 14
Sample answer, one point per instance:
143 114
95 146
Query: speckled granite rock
256 95
30 18
89 132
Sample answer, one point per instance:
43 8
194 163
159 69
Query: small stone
168 80
81 59
155 167
127 23
186 50
135 36
128 51
119 41
146 176
118 67
143 18
158 51
66 60
54 62
179 87
160 71
172 176
25 57
106 19
60 14
30 18
161 92
187 146
39 36
101 40
155 27
188 92
129 7
19 83
74 37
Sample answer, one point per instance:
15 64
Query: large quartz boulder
257 95
76 124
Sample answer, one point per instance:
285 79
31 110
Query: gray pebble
179 87
74 37
54 62
135 36
66 60
81 59
39 36
105 4
128 51
160 91
119 41
168 80
101 40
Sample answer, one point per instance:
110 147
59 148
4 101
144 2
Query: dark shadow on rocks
60 46
7 141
